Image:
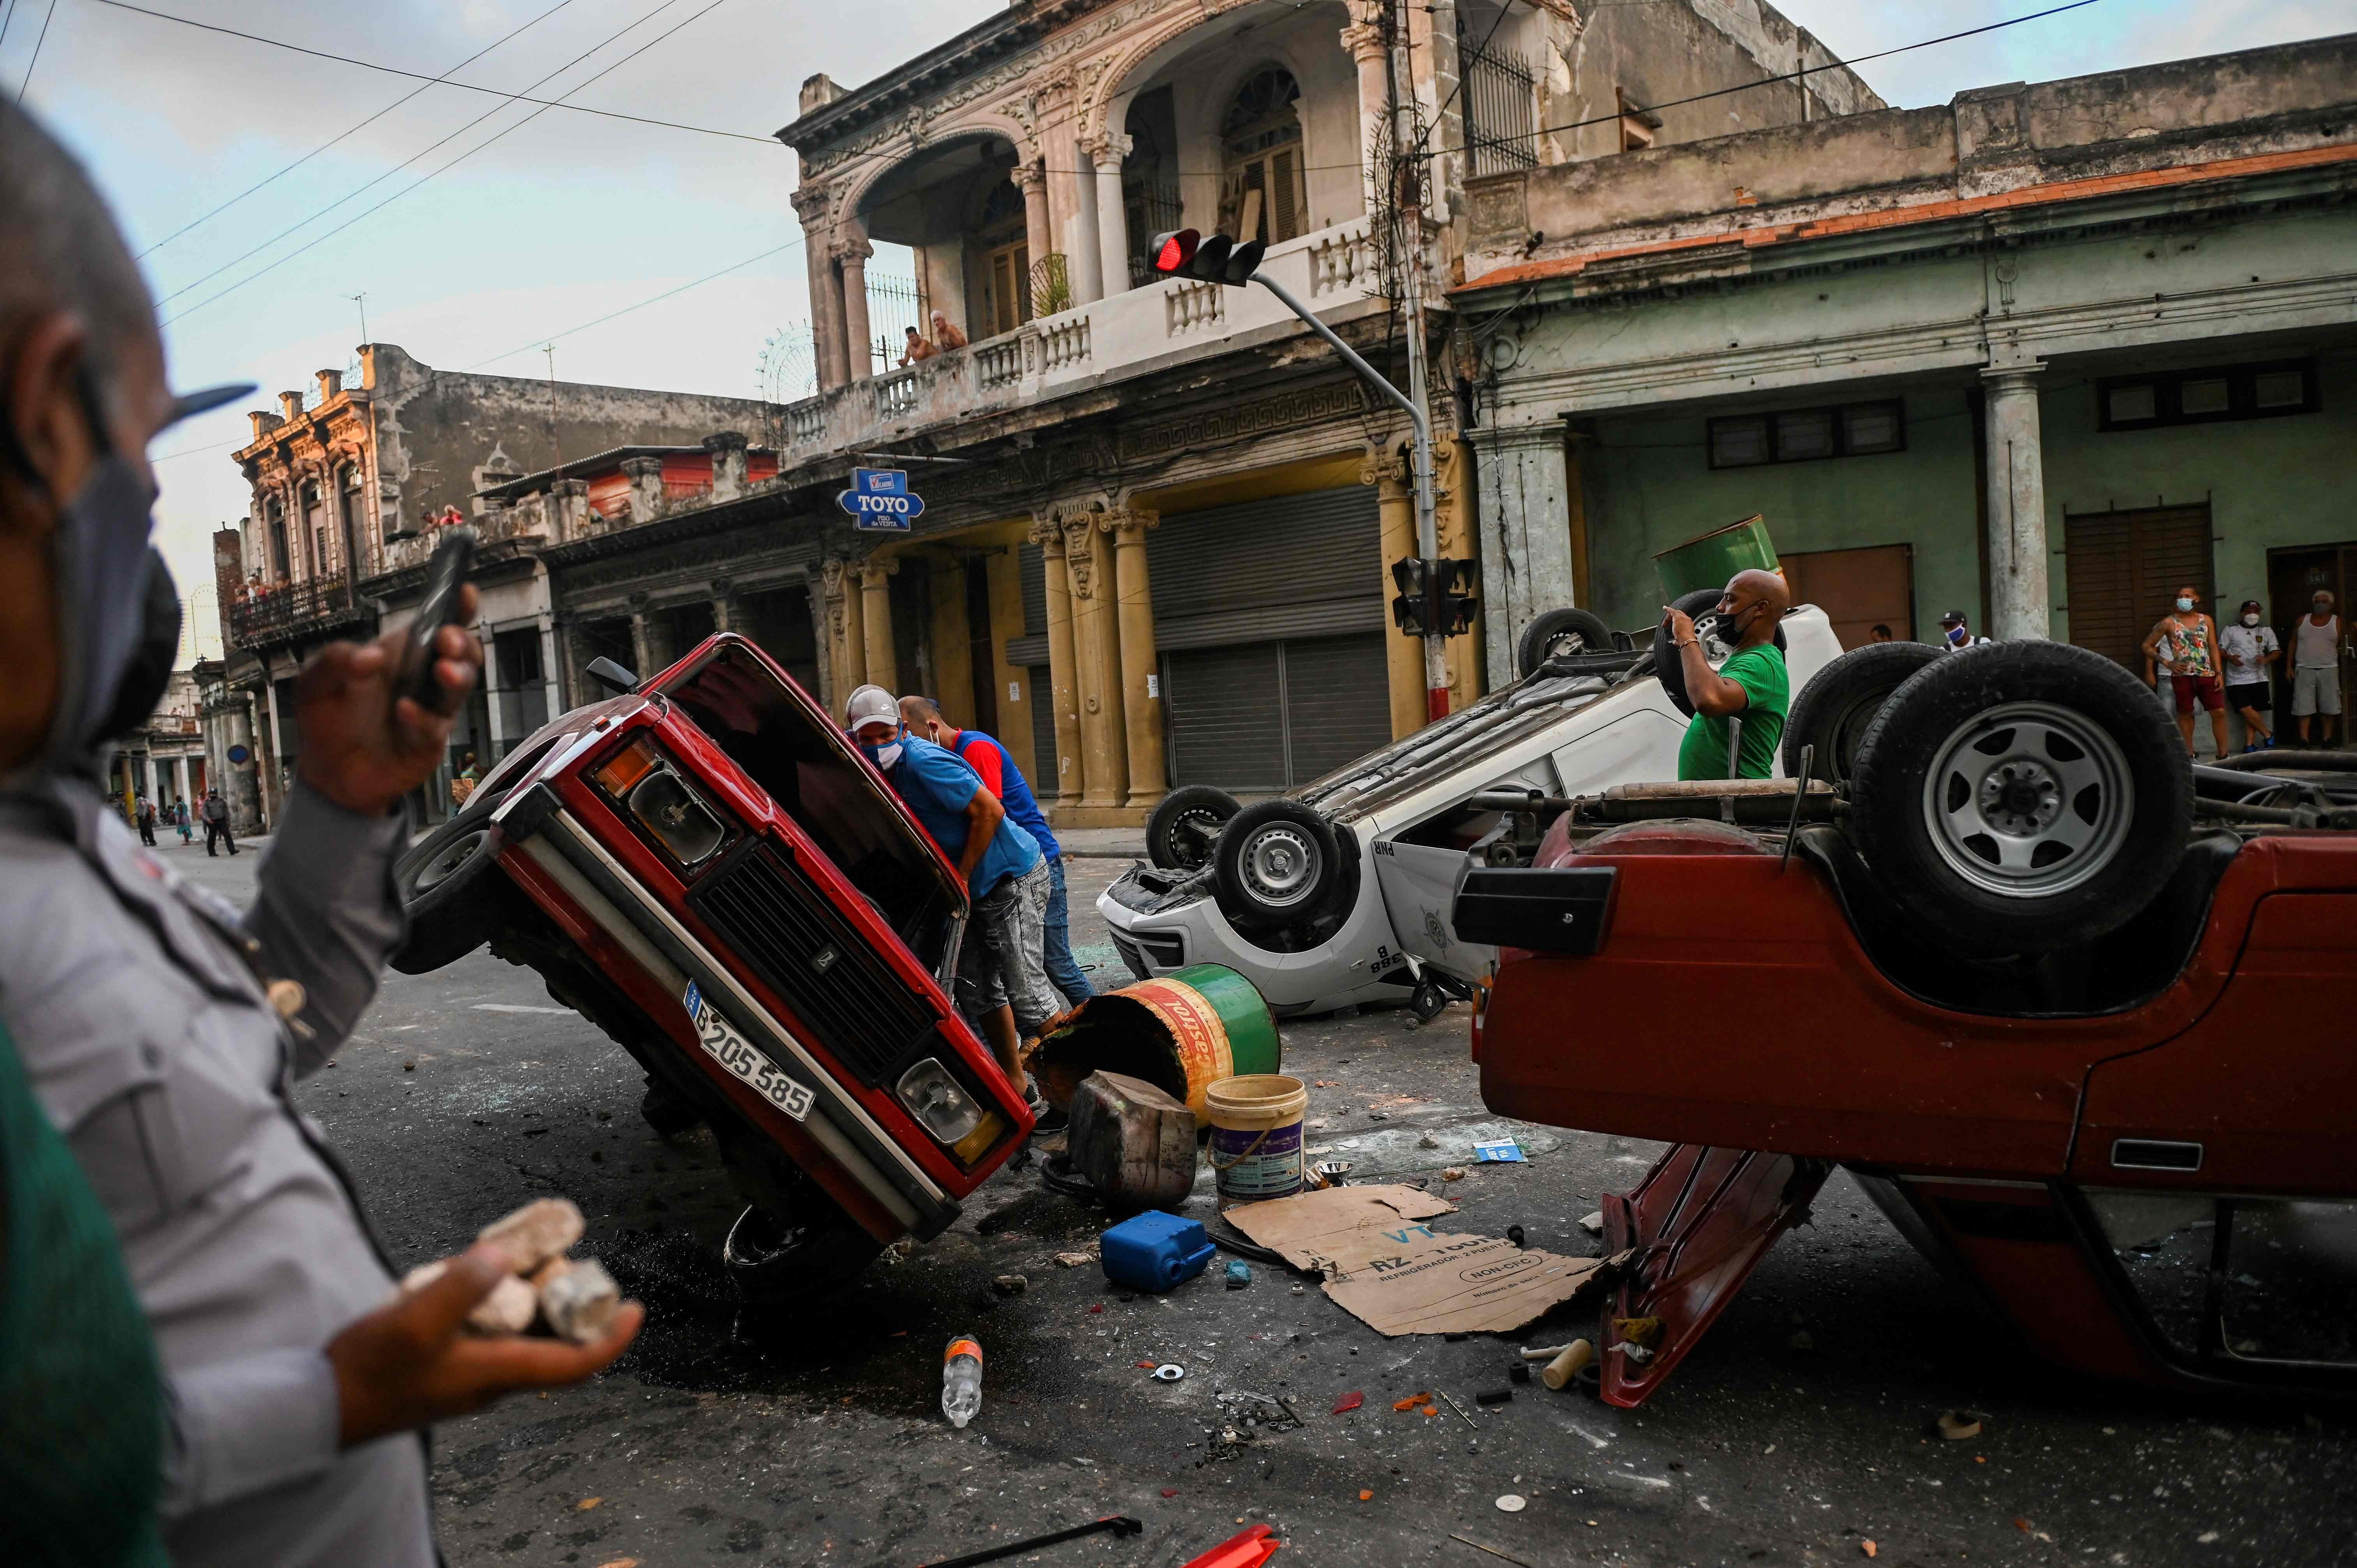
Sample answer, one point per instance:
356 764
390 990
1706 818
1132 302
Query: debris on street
1122 1526
1249 1549
1154 1251
962 1380
1384 1265
1134 1143
1955 1425
1178 1036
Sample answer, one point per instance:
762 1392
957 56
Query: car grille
783 929
1143 952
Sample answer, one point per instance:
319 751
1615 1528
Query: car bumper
1336 973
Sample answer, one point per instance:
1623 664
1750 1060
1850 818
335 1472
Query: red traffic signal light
1173 251
1215 258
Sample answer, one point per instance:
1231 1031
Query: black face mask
149 674
115 597
1729 629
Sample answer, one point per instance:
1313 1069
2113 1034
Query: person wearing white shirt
2250 646
2316 659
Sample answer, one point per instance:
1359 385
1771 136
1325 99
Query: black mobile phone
446 574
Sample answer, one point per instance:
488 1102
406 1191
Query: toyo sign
880 501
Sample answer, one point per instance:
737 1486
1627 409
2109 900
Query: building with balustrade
350 485
1158 514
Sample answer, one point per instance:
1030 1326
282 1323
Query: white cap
870 704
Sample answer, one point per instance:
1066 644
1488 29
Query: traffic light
1184 254
1440 595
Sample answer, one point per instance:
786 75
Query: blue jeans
1062 972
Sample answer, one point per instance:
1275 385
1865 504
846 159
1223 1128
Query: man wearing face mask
2250 646
1752 684
1002 979
2316 665
161 1030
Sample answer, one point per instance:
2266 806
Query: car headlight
639 777
939 1102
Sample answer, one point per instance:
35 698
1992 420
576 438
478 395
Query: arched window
275 514
1007 261
355 503
1263 195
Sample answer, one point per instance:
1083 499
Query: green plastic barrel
1180 1031
1709 562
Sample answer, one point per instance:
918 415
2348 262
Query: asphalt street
1798 1431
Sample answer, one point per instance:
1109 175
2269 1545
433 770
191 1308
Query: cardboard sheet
1384 1266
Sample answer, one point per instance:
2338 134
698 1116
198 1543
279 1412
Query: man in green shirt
1752 685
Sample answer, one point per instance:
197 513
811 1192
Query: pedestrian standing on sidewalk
1002 778
145 814
216 824
180 820
1002 978
2316 665
2185 643
161 1030
2250 646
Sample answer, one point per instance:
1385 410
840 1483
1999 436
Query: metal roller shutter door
2122 569
1270 615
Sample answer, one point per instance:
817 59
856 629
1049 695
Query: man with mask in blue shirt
1002 981
988 758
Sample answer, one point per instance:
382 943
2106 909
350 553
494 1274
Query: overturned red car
704 867
2073 1012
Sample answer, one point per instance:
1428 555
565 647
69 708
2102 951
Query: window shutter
1284 173
1248 223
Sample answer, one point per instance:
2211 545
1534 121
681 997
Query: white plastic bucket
1256 1136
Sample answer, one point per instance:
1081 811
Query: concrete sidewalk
1102 843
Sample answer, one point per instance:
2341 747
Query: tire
1565 631
1981 764
1185 823
1839 702
775 1263
1672 671
449 887
1278 864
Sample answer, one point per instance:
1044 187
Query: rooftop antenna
555 444
360 299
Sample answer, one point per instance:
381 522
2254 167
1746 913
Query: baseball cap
870 704
1954 617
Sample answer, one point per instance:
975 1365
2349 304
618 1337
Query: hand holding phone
446 575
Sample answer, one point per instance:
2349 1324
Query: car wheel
1563 633
1185 823
1839 702
1278 865
2021 798
449 889
775 1263
1699 606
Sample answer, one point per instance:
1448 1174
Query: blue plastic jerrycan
1154 1251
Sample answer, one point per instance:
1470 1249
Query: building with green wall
2086 339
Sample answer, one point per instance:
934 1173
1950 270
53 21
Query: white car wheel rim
1280 865
2029 801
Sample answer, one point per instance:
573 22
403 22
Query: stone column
568 505
813 204
1112 217
1063 666
1364 40
1141 679
821 641
1039 232
1526 507
857 344
2018 603
180 781
1096 640
646 477
1403 656
643 639
876 630
724 605
727 450
1457 524
841 631
550 684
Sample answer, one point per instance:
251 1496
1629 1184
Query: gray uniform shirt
134 1002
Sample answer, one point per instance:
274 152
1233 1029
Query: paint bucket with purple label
1255 1149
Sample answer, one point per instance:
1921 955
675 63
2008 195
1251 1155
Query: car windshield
810 771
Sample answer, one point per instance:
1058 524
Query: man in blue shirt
1002 981
999 775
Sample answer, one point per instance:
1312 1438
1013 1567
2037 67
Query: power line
47 18
654 299
443 79
7 16
323 147
462 157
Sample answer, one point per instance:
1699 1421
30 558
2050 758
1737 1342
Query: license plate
732 1050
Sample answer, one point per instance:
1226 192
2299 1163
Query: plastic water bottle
962 1380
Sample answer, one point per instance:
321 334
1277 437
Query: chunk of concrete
579 1302
538 1232
507 1310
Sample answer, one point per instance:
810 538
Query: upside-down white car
1339 893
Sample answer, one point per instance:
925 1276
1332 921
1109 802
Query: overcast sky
570 216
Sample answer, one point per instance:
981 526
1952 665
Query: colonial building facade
2041 355
1159 515
349 486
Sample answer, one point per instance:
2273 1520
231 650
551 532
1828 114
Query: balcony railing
283 613
1332 269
